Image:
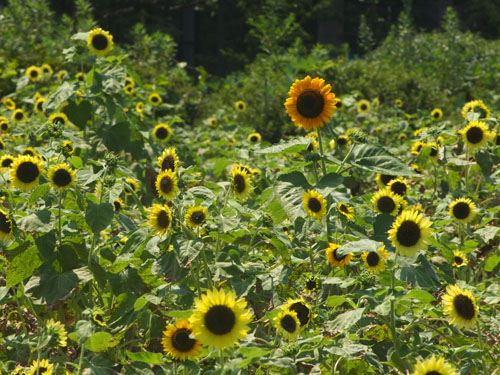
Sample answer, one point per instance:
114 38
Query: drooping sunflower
410 233
363 106
34 73
460 307
67 148
459 259
375 260
155 99
58 331
168 159
18 115
287 324
475 135
39 105
139 107
254 137
162 132
100 42
335 259
241 181
462 210
9 104
196 216
311 103
399 186
476 106
301 308
61 176
417 147
398 102
436 114
25 172
314 204
166 184
240 106
118 205
41 368
434 366
59 118
383 180
386 202
346 210
220 318
178 341
5 225
47 70
6 162
129 89
99 318
133 184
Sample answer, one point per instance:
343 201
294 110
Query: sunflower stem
478 184
221 360
217 246
60 220
207 270
435 181
315 172
80 368
395 338
320 141
345 158
481 346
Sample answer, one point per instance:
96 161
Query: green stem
217 246
80 362
481 346
395 338
197 276
435 181
221 360
207 270
60 220
321 152
315 172
478 184
345 158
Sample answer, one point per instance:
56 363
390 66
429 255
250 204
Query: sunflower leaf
99 342
147 357
346 320
357 247
293 146
99 216
63 93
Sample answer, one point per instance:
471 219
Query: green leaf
83 330
422 275
99 216
117 137
358 247
491 262
250 353
63 93
296 179
38 193
79 113
23 264
346 320
274 209
292 146
184 314
421 295
38 222
80 36
147 357
335 301
328 183
46 245
487 233
484 161
99 342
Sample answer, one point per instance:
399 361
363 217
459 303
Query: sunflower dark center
302 312
42 369
254 138
168 163
19 115
408 233
363 107
399 188
161 133
464 307
27 172
311 284
239 183
163 219
5 223
342 141
433 373
343 208
338 257
497 140
34 73
62 178
68 148
338 104
386 205
240 106
6 162
28 152
198 217
436 114
154 99
461 210
100 42
385 178
98 318
458 260
181 340
39 105
288 324
310 103
474 135
166 185
373 259
117 205
58 120
2 145
314 204
220 320
434 151
5 126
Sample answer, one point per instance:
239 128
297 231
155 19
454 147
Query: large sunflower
460 307
168 159
476 106
314 204
178 341
302 309
375 260
462 210
34 73
384 179
196 216
241 182
386 202
100 42
287 323
166 184
433 366
25 172
459 259
335 259
310 103
410 233
61 176
475 135
220 319
162 132
399 186
41 368
346 210
5 225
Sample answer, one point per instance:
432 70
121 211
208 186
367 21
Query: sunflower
375 260
133 184
118 205
80 76
376 103
34 73
18 115
416 169
129 81
47 70
98 318
212 121
241 182
2 144
166 184
254 137
440 141
100 42
61 74
334 259
436 114
61 176
240 106
302 309
475 134
67 148
9 104
30 151
168 160
196 216
129 89
5 225
497 139
25 172
314 204
139 107
343 140
410 233
220 319
384 179
6 162
178 341
313 146
434 366
39 105
460 307
4 124
363 106
346 210
287 323
434 154
41 368
57 330
155 99
398 102
462 210
417 147
162 132
18 371
310 103
399 186
59 118
459 259
476 106
386 202
311 284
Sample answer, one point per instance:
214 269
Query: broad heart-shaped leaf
23 264
63 93
378 159
80 113
346 320
117 137
99 216
422 275
483 158
357 247
147 357
295 145
289 190
328 183
99 342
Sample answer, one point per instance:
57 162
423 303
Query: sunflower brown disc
27 172
408 233
239 183
458 260
168 162
302 312
399 188
464 307
5 223
163 219
220 319
166 185
99 42
181 340
161 133
198 217
461 210
474 135
343 208
311 285
372 259
338 257
19 116
310 103
386 204
7 162
385 178
288 324
62 178
314 205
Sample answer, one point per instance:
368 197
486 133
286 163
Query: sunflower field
307 215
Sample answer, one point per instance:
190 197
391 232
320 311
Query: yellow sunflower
178 341
410 233
6 162
399 186
213 122
2 144
18 115
475 135
416 147
375 260
61 74
310 103
254 137
59 118
402 137
476 106
39 105
220 319
241 181
335 259
240 106
343 140
166 184
139 107
363 106
133 184
99 318
34 73
462 210
436 114
30 151
129 89
47 70
162 132
301 308
129 81
311 284
460 307
25 172
459 259
4 124
497 139
5 225
168 159
386 202
67 148
41 368
100 42
434 154
346 210
314 203
155 99
398 102
287 324
434 366
118 205
196 216
57 330
61 176
383 180
9 104
80 76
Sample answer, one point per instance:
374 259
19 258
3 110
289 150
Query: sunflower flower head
18 115
25 172
196 216
240 106
475 135
179 342
61 176
410 233
302 309
399 186
476 106
436 114
314 203
241 181
254 137
459 259
334 258
100 42
155 99
345 210
462 210
42 367
5 226
166 184
34 73
57 330
168 159
383 180
386 202
363 106
434 366
287 324
162 132
459 306
375 260
99 318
